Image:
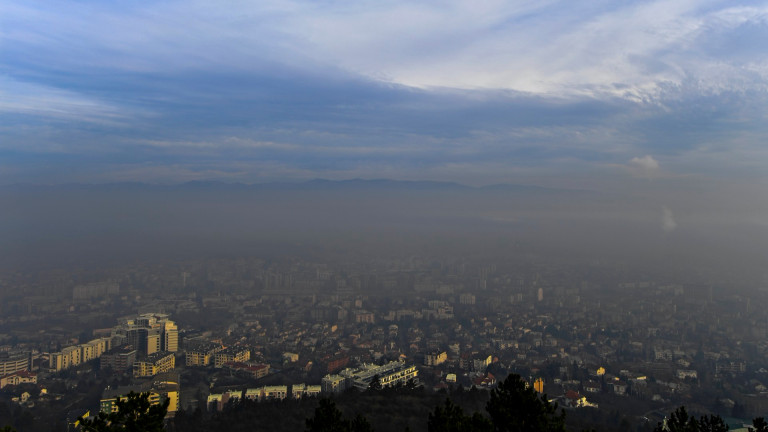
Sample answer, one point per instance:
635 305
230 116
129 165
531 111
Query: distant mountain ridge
314 184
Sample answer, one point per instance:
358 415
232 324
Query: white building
390 374
299 391
267 392
333 384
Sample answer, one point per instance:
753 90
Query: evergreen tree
327 418
712 423
134 414
516 407
360 424
451 418
678 421
375 383
759 425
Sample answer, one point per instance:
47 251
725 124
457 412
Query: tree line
511 407
680 421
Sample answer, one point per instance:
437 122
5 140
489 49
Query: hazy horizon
87 225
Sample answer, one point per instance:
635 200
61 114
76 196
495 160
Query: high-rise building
171 337
119 359
137 338
154 339
149 333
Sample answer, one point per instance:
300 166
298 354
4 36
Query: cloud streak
22 98
633 49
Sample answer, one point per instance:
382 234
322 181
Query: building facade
11 362
231 355
154 364
77 354
389 374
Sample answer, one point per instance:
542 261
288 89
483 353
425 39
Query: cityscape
204 333
400 216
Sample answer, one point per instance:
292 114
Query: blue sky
659 95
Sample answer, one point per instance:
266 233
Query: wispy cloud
24 98
630 49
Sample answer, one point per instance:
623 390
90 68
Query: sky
656 97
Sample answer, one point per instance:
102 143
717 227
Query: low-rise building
254 370
74 355
289 357
154 364
274 392
572 399
18 377
299 391
333 383
389 374
231 355
435 358
159 390
217 401
202 355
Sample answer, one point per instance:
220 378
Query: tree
410 384
360 424
134 414
7 429
451 418
514 406
759 425
328 418
375 383
712 423
678 421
